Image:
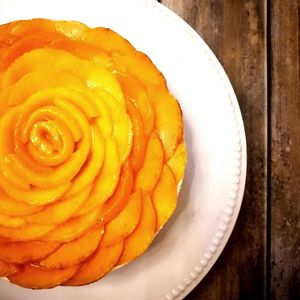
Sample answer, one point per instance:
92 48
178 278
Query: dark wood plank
235 31
285 168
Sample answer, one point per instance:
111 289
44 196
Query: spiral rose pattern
91 152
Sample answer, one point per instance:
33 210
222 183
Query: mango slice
102 262
74 252
7 269
169 125
165 197
27 43
177 163
36 277
140 66
107 39
140 239
28 232
106 181
13 222
137 93
139 137
15 208
60 211
73 228
150 171
114 205
124 223
23 252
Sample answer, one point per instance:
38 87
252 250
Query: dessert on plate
91 152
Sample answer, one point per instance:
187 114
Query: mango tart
91 152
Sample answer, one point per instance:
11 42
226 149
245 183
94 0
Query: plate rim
232 210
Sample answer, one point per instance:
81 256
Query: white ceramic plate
188 246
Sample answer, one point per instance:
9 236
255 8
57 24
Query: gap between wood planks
268 152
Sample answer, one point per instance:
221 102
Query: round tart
91 152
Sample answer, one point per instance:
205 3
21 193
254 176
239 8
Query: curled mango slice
91 152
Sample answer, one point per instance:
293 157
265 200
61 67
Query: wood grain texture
235 31
285 168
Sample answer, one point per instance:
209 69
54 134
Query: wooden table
258 43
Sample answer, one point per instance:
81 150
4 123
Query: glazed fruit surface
91 152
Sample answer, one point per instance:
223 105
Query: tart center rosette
91 152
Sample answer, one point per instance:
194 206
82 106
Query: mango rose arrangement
91 152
